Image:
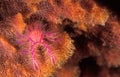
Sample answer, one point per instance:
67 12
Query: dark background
112 5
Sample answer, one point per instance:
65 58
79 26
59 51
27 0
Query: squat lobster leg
35 65
50 53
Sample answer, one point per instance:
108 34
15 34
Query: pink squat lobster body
35 37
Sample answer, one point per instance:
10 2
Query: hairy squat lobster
35 36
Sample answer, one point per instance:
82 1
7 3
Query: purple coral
34 36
